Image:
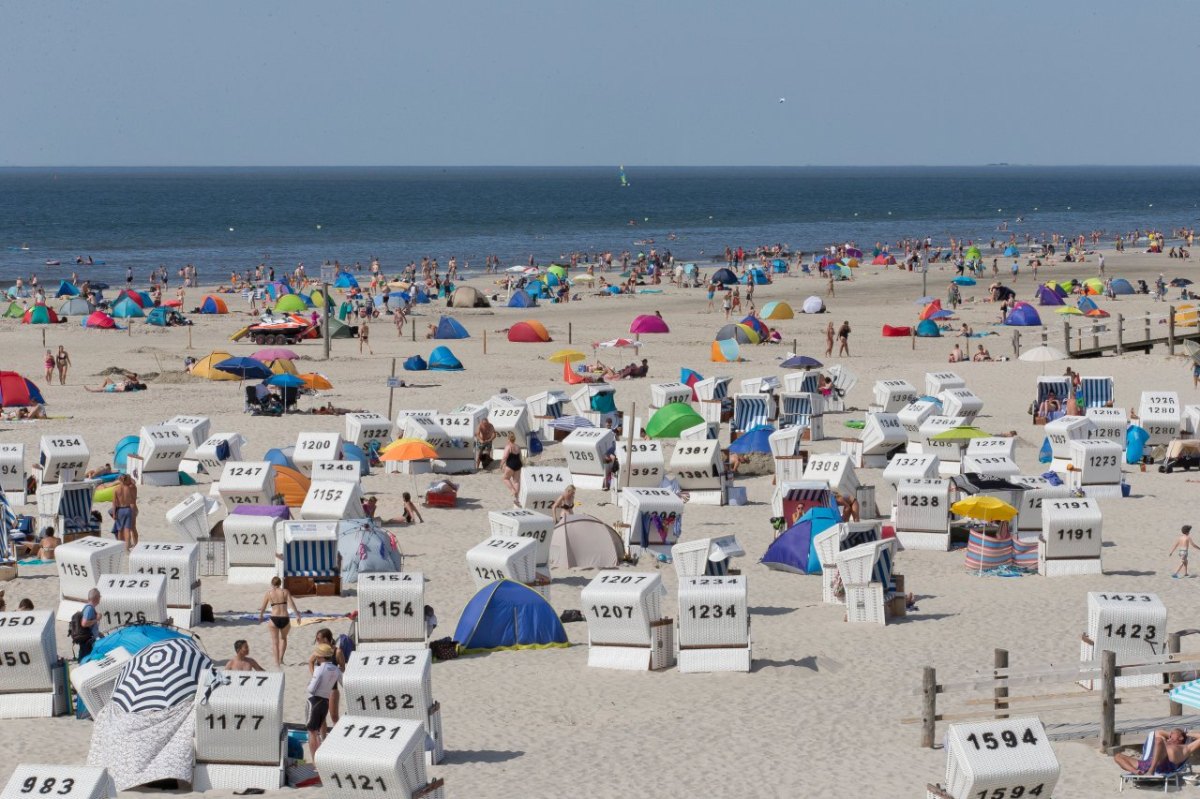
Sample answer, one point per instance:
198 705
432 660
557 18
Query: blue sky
522 82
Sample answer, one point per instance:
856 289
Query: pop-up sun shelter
793 551
530 331
126 308
99 320
1048 296
74 306
725 277
928 328
40 315
467 297
672 419
66 289
443 360
521 299
18 391
1121 286
415 363
508 615
449 328
213 304
1023 315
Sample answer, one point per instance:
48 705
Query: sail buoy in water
230 230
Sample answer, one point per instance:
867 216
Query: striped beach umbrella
1187 694
160 676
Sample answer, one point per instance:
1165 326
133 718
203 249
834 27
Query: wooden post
1000 661
570 334
43 337
794 346
189 337
1017 343
1120 334
1108 700
929 708
1147 322
1173 649
1095 336
1171 329
325 332
1045 337
414 329
391 390
1066 337
628 446
485 342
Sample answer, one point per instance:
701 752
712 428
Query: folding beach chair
1175 777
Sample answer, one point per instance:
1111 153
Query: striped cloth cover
76 510
988 552
1097 391
310 559
1061 386
721 390
795 412
554 410
882 571
1025 552
750 412
811 383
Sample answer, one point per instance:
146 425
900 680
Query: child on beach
410 510
1182 545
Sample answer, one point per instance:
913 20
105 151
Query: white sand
820 711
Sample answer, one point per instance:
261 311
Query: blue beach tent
756 439
508 615
1011 251
422 296
1086 304
928 329
450 328
1048 296
1023 315
1121 286
345 280
724 276
521 299
125 447
280 457
415 363
127 309
66 289
756 276
443 360
793 551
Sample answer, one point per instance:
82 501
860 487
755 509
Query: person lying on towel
1170 752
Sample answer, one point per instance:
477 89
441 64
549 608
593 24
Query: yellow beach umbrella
567 356
408 449
984 508
315 381
1068 310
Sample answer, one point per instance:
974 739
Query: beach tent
75 306
345 280
415 363
508 615
365 548
443 360
126 446
755 440
1086 304
1093 285
1048 296
672 419
690 377
1121 286
883 260
1023 315
17 391
206 366
14 311
450 328
581 541
890 331
521 299
530 331
99 320
136 298
422 296
40 315
282 366
280 457
1011 251
725 351
557 270
742 334
648 323
213 304
930 309
353 452
290 303
1062 289
126 308
66 289
724 276
316 298
758 326
467 297
756 276
813 304
277 289
339 329
777 309
291 485
793 551
928 328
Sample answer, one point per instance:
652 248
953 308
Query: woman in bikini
511 460
278 599
49 364
63 361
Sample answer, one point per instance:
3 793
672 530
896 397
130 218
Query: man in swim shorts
1172 748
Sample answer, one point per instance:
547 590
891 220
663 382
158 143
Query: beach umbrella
1187 694
285 380
960 433
1180 282
963 280
1043 354
408 449
756 439
316 381
649 323
1192 348
985 508
274 353
801 362
1068 310
160 676
941 314
244 368
567 356
618 343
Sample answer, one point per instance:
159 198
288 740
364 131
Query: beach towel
138 748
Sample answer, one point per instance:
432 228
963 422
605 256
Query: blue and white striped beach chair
313 558
1061 386
1097 392
750 411
76 510
795 410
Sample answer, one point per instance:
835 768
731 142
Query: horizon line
992 165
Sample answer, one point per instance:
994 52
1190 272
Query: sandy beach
820 712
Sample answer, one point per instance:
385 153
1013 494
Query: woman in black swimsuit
278 598
512 466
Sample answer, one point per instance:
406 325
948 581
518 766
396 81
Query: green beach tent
290 303
339 329
672 419
14 311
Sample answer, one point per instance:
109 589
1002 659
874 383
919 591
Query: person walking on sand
49 364
512 464
364 337
279 599
325 679
124 511
727 302
844 339
1182 545
63 362
829 336
829 273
